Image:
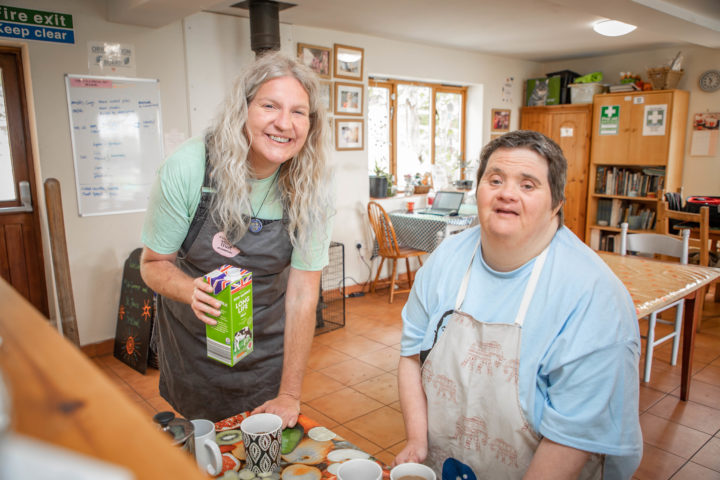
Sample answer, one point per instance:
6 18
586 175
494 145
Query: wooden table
654 284
59 396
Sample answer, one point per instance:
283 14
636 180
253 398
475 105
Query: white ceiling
538 30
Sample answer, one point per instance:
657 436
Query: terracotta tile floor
351 387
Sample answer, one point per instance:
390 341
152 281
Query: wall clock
710 80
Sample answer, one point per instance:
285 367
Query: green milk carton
231 339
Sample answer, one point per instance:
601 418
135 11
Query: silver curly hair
303 181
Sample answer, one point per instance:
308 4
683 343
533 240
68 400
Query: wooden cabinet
569 126
637 151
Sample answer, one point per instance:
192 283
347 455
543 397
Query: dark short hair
543 146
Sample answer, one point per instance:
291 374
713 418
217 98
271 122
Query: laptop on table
445 203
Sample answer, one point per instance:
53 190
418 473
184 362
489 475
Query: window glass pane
7 178
378 128
413 131
448 122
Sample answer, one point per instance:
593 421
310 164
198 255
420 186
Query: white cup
207 452
359 469
412 470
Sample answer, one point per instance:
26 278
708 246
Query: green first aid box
231 339
543 91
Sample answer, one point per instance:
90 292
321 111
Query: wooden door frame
32 149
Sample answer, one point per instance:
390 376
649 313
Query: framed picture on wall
500 120
348 62
317 58
349 134
348 98
326 95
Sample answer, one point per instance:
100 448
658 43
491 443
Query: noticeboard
116 131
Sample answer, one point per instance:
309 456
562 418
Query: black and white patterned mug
261 435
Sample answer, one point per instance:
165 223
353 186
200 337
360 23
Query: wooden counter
59 396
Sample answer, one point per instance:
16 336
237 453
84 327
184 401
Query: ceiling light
613 28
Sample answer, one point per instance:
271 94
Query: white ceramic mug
359 469
207 452
261 435
412 470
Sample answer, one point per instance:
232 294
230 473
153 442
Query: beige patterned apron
470 380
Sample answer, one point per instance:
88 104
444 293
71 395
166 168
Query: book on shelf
616 212
629 182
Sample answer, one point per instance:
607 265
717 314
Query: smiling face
278 123
515 203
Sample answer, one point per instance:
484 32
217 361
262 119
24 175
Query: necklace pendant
255 225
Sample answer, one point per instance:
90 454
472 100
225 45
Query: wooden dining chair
699 238
651 244
388 248
701 242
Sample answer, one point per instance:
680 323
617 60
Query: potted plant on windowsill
379 183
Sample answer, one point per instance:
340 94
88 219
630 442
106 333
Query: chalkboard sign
135 316
116 135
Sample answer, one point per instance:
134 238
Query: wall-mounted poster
704 140
654 120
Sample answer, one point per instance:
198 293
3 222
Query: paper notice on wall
111 59
506 93
654 120
704 139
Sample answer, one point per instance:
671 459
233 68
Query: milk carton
232 338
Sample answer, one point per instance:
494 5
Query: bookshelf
637 151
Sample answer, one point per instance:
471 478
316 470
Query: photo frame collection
340 97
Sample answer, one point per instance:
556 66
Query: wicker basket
420 189
663 78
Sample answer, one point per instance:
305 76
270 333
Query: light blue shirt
578 379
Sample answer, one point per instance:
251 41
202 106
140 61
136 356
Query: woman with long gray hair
254 193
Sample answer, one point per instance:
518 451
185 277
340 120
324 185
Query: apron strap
466 278
530 289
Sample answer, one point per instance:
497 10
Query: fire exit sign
36 25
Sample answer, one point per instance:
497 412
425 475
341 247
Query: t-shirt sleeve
591 381
174 198
317 255
416 313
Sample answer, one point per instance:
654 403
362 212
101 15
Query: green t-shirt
176 194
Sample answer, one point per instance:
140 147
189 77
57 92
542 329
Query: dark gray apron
197 386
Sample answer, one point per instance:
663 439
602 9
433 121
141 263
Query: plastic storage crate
584 92
330 312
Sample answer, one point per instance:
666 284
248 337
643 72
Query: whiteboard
116 132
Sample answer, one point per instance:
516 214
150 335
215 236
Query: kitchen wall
701 174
